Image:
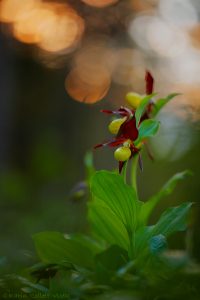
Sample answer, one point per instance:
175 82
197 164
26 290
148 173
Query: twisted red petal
107 111
149 83
117 142
121 164
99 146
122 111
112 143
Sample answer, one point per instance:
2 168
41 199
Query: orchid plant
122 251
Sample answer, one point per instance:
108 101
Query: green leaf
108 262
141 108
119 197
60 284
106 224
160 103
172 220
88 242
53 247
158 243
141 240
126 268
148 128
134 165
166 190
112 258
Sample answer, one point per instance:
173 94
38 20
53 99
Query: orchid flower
124 127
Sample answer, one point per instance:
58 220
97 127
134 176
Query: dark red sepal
129 130
113 143
122 111
107 111
149 83
121 164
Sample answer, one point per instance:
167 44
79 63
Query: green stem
134 172
124 171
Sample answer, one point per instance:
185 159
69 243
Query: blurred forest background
56 56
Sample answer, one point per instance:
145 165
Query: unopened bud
122 153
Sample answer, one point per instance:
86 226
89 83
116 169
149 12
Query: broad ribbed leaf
112 258
88 242
141 108
166 190
141 240
160 103
172 220
53 247
118 196
107 225
148 128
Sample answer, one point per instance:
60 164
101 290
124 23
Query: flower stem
124 171
134 172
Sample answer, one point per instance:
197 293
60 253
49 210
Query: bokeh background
60 63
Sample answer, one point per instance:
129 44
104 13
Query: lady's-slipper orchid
125 128
135 99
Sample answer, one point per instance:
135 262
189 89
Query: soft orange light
187 104
95 52
11 10
29 27
53 27
141 6
63 31
100 3
81 88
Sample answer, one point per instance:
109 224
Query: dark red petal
129 130
112 143
121 164
149 83
98 146
134 150
122 111
107 111
117 142
126 111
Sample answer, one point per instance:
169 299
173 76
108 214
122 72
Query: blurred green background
45 132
